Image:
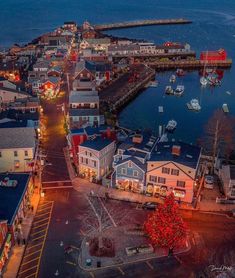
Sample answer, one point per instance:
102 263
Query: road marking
42 209
69 262
36 227
149 265
30 261
38 221
30 254
74 247
38 232
37 238
43 243
178 259
122 272
30 275
28 269
111 218
92 274
34 245
40 215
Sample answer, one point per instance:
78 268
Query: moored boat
172 78
180 72
171 125
194 105
179 90
153 83
225 108
169 90
203 81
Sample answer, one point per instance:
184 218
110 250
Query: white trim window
123 171
135 173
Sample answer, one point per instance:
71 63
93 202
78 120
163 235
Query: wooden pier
138 23
189 64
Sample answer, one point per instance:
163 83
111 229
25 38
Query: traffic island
126 247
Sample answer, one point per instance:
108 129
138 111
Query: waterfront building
6 83
95 157
100 44
173 167
17 149
70 25
227 177
125 50
129 163
10 69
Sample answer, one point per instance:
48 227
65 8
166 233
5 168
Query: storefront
130 185
156 190
179 193
4 252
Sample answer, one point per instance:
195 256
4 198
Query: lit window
129 164
152 178
0 154
135 173
123 171
17 164
166 170
175 172
15 153
26 153
161 180
181 184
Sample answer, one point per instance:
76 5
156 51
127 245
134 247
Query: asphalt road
54 140
212 240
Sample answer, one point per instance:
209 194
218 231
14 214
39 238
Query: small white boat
160 109
194 105
228 93
171 126
225 108
172 78
213 80
203 81
153 83
169 90
179 90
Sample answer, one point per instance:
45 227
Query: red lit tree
165 227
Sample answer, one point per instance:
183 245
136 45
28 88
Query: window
90 154
129 164
17 164
165 170
175 172
94 163
85 152
153 178
181 184
0 154
86 161
123 171
26 153
161 180
81 159
15 153
135 173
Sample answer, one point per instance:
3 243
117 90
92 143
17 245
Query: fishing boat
203 81
169 90
179 90
180 72
213 80
194 105
171 126
153 83
225 108
172 78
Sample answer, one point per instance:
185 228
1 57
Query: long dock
189 64
138 23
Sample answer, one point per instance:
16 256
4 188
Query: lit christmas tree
165 227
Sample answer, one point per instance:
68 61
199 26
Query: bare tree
219 136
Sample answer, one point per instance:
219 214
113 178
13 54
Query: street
211 239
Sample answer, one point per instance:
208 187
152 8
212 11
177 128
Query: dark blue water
213 27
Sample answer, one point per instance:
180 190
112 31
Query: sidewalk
17 251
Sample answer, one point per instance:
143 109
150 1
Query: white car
209 182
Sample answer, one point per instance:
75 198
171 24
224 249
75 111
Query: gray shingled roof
83 112
22 137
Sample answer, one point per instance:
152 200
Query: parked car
209 182
150 205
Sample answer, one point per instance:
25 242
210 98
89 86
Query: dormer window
129 164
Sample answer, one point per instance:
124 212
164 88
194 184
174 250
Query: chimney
137 139
176 150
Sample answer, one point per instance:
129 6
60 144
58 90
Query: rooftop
10 197
188 155
97 144
83 97
136 161
83 112
20 137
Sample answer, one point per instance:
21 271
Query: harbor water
213 27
